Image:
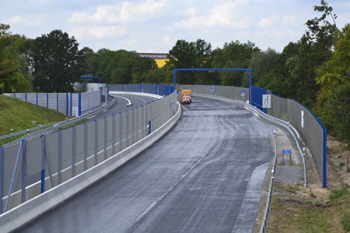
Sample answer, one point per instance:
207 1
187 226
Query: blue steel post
57 102
71 104
73 151
105 138
24 171
59 157
1 176
79 104
324 157
95 141
42 186
85 146
250 85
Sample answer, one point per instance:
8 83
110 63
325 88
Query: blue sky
156 25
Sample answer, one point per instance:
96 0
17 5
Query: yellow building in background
160 58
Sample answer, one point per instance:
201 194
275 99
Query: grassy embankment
315 209
19 115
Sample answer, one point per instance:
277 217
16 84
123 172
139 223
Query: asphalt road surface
205 175
121 104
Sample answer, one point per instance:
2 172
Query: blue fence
70 104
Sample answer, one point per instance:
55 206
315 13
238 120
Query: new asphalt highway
205 175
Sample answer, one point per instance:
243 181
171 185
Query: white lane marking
129 102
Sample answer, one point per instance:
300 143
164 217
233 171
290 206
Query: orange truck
186 96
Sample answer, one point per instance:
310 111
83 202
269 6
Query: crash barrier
70 104
66 161
265 220
311 130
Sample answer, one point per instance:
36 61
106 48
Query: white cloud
29 20
268 21
98 32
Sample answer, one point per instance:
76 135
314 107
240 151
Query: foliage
234 55
191 55
14 76
333 102
57 62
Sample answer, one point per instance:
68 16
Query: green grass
18 115
301 215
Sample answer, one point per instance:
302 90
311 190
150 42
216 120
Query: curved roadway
121 101
205 175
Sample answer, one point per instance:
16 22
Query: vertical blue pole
37 99
73 151
1 177
24 171
47 100
57 102
113 134
79 104
324 157
42 163
71 104
59 162
175 79
85 146
67 105
105 138
250 85
26 97
95 141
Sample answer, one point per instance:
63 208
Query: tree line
313 70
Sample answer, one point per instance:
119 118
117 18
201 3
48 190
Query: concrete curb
28 211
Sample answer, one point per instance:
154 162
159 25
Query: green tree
191 55
333 102
13 65
57 62
234 55
314 49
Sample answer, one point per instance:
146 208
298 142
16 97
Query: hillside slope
19 115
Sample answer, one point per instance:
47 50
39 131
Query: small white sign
266 101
